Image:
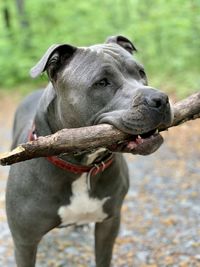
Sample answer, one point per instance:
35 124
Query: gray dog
88 85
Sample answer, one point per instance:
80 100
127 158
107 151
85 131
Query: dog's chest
82 208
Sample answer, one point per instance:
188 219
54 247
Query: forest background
166 34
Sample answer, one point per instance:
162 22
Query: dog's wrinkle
119 125
127 124
133 116
133 123
115 48
133 106
85 64
136 128
117 53
112 114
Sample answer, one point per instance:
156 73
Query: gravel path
160 217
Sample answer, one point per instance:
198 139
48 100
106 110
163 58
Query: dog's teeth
139 137
156 132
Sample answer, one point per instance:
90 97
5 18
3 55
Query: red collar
93 169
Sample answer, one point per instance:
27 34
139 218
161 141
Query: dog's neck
47 122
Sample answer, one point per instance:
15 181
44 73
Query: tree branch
89 138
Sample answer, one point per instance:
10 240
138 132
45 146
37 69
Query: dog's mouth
142 144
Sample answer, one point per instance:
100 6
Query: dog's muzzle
149 112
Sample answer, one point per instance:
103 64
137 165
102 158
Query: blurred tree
6 15
24 24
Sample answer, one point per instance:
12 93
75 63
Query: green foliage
166 33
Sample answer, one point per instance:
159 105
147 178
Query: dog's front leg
25 254
105 235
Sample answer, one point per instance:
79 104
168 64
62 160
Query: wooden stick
187 109
92 137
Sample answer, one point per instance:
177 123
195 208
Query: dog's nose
157 101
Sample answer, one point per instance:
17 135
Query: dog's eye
103 83
142 74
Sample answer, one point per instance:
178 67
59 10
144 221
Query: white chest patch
82 209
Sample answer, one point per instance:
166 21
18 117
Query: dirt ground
160 216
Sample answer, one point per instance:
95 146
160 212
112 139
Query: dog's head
103 83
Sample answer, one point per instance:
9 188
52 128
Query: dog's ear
123 42
55 56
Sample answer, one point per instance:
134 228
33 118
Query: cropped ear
53 59
123 42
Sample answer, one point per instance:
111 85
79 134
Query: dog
102 83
